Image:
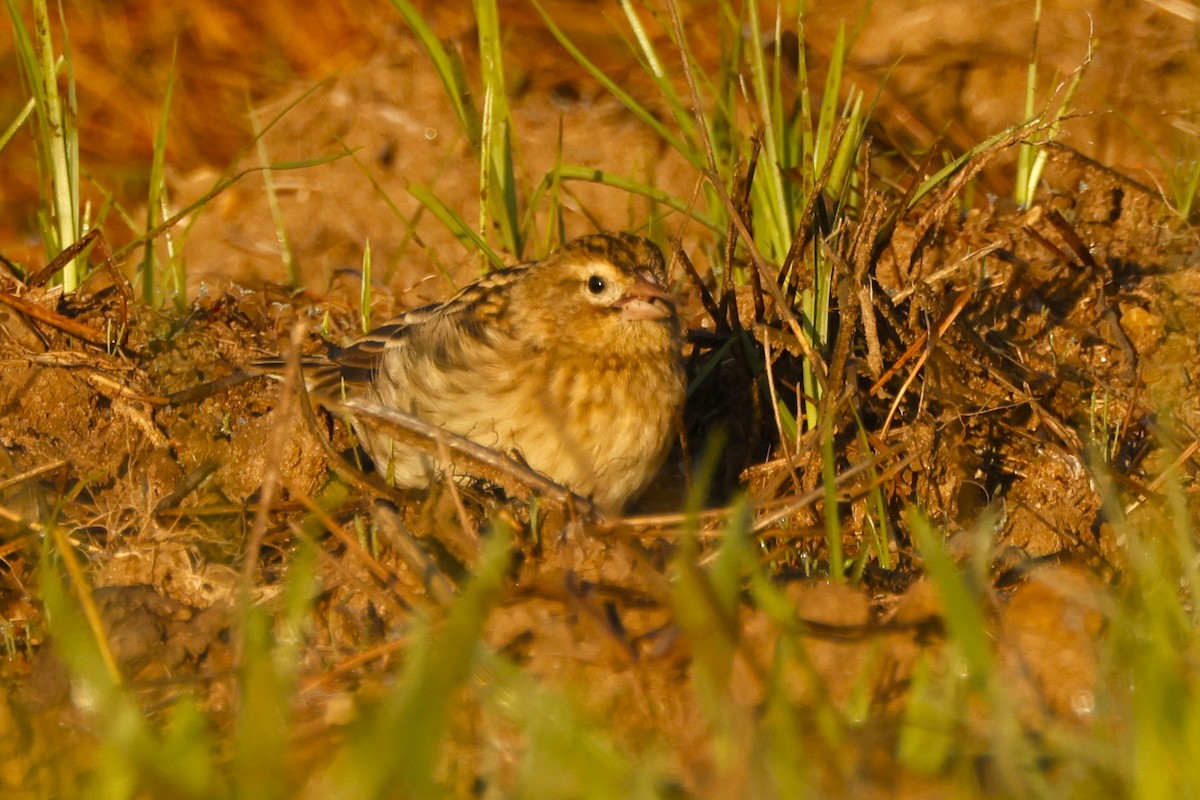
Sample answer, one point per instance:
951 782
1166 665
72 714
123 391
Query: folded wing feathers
357 362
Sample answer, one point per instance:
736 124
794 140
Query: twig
946 272
361 555
56 320
952 315
778 508
36 472
275 447
493 462
434 579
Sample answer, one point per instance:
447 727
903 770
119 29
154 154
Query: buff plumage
571 363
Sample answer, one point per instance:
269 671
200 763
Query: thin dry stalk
276 445
486 462
959 304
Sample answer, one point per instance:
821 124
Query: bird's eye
596 284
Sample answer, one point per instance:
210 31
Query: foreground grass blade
961 608
454 222
132 756
395 751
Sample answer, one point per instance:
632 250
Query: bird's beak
645 299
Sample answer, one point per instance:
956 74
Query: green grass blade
712 643
217 188
226 179
571 172
930 732
70 121
807 132
409 222
734 556
940 177
961 608
11 131
271 650
828 118
833 524
662 78
1026 151
842 174
154 203
776 226
1184 184
1043 155
497 180
183 758
263 716
131 754
711 363
622 96
364 291
395 753
281 236
56 142
1182 171
876 520
453 222
448 68
556 230
557 728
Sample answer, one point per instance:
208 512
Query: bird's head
604 294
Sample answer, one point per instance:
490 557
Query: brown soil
1013 356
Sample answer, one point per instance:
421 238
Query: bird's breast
606 423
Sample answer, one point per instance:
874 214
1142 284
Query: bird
572 364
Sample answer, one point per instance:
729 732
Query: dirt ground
1010 356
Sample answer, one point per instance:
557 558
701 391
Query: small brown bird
572 363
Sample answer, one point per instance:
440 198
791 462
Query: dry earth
1011 357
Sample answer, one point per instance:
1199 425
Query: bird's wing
428 328
321 375
359 360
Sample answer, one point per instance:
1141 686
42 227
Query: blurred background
946 74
